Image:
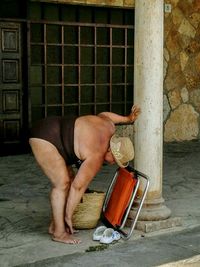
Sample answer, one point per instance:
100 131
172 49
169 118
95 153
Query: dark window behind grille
82 64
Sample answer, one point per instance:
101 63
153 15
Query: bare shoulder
91 136
88 118
89 130
94 123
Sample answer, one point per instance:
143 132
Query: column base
151 211
154 216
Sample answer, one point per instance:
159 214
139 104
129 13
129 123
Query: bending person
59 142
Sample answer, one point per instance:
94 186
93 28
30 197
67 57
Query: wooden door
11 108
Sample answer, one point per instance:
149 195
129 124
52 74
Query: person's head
121 151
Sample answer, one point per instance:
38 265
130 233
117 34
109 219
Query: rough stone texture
174 98
174 78
177 16
195 99
166 54
166 108
165 66
173 2
130 3
125 130
186 29
197 62
195 19
182 124
184 95
183 60
182 79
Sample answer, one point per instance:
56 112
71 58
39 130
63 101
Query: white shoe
98 233
109 236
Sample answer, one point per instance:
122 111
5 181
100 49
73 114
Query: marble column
148 94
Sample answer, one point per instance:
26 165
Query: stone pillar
148 94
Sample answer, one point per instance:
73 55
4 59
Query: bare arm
116 118
86 173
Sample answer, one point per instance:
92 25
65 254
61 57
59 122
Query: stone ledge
107 3
151 226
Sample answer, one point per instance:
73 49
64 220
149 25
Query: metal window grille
80 68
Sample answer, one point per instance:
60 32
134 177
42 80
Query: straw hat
122 150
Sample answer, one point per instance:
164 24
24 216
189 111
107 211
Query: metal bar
62 71
45 69
95 70
84 65
130 204
108 194
125 72
128 235
76 84
83 24
83 45
73 104
79 71
110 76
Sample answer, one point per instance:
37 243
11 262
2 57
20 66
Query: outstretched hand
135 112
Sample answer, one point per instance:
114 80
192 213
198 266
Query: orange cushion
120 197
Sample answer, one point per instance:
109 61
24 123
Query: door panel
11 122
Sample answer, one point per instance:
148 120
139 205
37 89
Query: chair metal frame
138 176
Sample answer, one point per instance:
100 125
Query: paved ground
25 212
145 252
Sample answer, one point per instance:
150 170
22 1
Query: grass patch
97 248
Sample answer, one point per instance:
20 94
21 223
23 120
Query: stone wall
182 71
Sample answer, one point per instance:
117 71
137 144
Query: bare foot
66 238
51 229
75 231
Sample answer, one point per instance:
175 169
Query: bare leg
54 167
52 225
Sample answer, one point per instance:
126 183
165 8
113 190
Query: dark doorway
12 107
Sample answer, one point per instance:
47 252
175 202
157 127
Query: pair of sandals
105 235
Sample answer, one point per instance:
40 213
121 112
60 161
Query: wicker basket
88 211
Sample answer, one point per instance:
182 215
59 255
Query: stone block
187 29
182 124
195 19
174 98
183 60
152 226
184 95
195 99
177 16
129 3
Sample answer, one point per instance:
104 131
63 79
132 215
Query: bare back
92 135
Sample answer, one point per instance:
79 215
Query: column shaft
148 94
